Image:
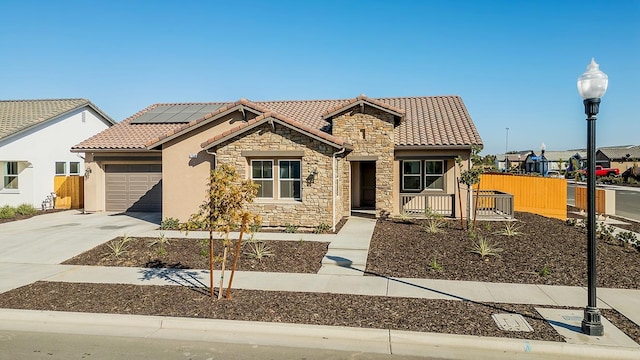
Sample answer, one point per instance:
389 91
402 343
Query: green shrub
290 228
169 224
322 228
26 209
7 212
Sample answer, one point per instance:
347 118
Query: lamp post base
591 324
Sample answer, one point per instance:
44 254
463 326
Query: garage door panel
134 187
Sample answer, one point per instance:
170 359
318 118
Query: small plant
7 212
484 247
604 232
434 265
510 229
322 228
258 250
170 224
571 222
118 247
628 237
290 228
435 222
26 209
161 241
300 241
545 271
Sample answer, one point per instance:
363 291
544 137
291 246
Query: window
262 174
411 174
61 168
11 175
290 180
434 175
74 168
414 171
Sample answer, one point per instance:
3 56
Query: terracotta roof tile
428 121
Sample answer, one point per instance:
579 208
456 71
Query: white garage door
134 187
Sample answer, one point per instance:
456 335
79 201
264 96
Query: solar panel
172 114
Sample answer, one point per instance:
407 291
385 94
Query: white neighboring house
35 141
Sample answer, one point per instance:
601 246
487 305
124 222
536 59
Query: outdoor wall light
591 86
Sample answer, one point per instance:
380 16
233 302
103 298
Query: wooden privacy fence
534 194
69 192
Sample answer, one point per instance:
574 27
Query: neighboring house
35 137
619 157
512 162
314 160
560 160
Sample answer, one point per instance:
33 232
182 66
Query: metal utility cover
511 322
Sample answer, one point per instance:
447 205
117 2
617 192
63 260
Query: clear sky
515 63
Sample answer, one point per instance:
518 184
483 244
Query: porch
491 204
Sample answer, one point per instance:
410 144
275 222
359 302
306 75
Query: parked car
554 174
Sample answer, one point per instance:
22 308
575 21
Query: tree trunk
237 255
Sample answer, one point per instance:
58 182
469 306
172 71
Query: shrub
7 212
26 209
510 229
484 247
258 250
434 265
435 221
170 224
290 228
118 247
322 228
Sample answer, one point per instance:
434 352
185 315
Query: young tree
222 211
471 176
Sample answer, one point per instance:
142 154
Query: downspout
333 187
215 158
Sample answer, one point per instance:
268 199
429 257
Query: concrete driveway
32 248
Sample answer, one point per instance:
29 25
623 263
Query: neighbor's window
411 174
11 175
74 168
61 168
290 180
434 175
262 174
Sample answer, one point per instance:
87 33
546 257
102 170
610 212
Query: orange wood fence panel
69 192
534 194
581 199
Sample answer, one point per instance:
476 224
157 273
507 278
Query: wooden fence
534 194
69 192
601 200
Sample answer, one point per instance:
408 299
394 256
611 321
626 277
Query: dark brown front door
368 181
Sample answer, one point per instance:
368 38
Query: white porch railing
417 205
494 204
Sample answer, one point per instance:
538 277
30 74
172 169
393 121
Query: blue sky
515 63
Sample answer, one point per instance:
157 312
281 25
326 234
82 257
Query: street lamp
543 147
591 86
506 149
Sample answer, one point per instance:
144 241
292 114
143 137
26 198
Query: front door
368 181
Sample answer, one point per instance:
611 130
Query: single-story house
619 157
315 160
35 138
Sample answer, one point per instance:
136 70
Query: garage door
134 187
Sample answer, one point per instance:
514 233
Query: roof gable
362 100
17 116
620 153
282 120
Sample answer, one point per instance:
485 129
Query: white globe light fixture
591 86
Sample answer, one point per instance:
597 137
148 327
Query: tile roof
20 115
428 121
283 119
621 152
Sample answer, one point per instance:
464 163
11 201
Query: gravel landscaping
546 251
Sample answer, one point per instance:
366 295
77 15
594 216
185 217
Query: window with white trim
61 168
411 175
434 174
262 174
290 179
74 168
10 180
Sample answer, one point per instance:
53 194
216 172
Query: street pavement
28 258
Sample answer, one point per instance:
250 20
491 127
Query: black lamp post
591 86
543 147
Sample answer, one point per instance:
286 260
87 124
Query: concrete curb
307 336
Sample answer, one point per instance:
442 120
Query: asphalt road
50 346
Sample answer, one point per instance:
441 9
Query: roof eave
329 116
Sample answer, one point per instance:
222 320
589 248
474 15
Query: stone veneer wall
378 141
316 205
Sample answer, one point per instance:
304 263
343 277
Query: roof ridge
59 99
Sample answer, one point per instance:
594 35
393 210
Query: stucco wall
43 146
